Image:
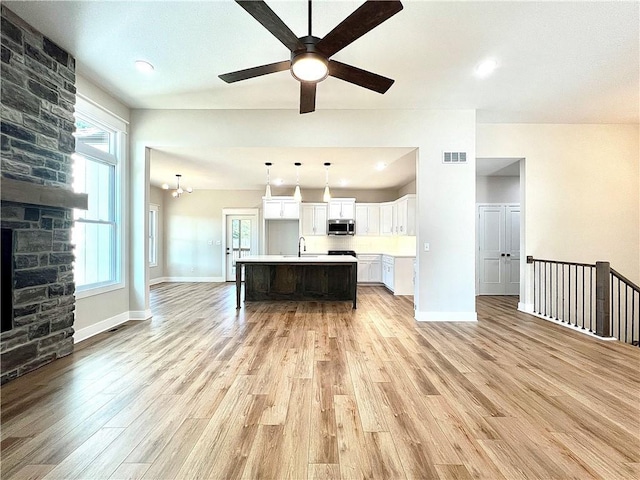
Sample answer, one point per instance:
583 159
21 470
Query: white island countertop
293 259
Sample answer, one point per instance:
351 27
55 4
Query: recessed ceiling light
486 68
381 166
143 66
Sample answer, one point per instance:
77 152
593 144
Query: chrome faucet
305 245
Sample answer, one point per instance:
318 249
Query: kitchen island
289 277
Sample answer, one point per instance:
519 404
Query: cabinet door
290 209
386 219
374 220
391 278
401 221
363 271
335 210
307 224
375 272
362 220
348 210
272 209
320 219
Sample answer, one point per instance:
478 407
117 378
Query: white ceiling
559 62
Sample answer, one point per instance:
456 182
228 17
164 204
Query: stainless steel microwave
341 227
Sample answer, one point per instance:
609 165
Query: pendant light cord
309 17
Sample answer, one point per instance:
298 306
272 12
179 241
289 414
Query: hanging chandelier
179 190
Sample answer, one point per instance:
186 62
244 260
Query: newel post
603 299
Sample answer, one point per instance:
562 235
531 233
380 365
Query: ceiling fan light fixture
144 66
309 67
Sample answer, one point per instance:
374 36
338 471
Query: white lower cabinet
397 274
369 269
387 271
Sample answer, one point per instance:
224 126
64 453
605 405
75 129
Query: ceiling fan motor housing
310 53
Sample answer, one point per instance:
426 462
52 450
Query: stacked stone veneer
37 100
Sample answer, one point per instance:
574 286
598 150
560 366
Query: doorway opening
240 233
500 222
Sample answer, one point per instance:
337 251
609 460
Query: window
153 235
97 230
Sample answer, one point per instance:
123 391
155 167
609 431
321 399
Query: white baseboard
109 323
530 311
525 307
140 315
157 280
99 327
446 316
194 279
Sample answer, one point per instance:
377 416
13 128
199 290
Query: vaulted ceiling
558 62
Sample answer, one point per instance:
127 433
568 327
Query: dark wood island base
297 279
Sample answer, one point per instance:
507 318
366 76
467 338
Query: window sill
91 291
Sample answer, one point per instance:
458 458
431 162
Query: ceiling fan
310 56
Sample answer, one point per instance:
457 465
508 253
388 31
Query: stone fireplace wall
37 101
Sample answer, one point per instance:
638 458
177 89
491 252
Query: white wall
446 275
311 195
582 188
497 189
407 189
194 220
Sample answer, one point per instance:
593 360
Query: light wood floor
316 390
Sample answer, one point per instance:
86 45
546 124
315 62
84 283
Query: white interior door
491 226
498 249
512 249
241 241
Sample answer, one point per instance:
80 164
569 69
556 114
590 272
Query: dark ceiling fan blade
307 97
255 71
368 16
360 77
269 20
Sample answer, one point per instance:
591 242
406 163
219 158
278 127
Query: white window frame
154 211
117 128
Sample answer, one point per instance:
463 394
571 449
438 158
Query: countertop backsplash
392 245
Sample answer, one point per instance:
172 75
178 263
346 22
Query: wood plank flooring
317 390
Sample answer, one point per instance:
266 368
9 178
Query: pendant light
327 194
297 196
267 192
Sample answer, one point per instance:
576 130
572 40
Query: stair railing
590 297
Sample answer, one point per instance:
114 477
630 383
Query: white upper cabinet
342 208
399 217
313 219
405 223
367 219
281 208
386 218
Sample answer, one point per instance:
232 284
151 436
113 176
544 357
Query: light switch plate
426 247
